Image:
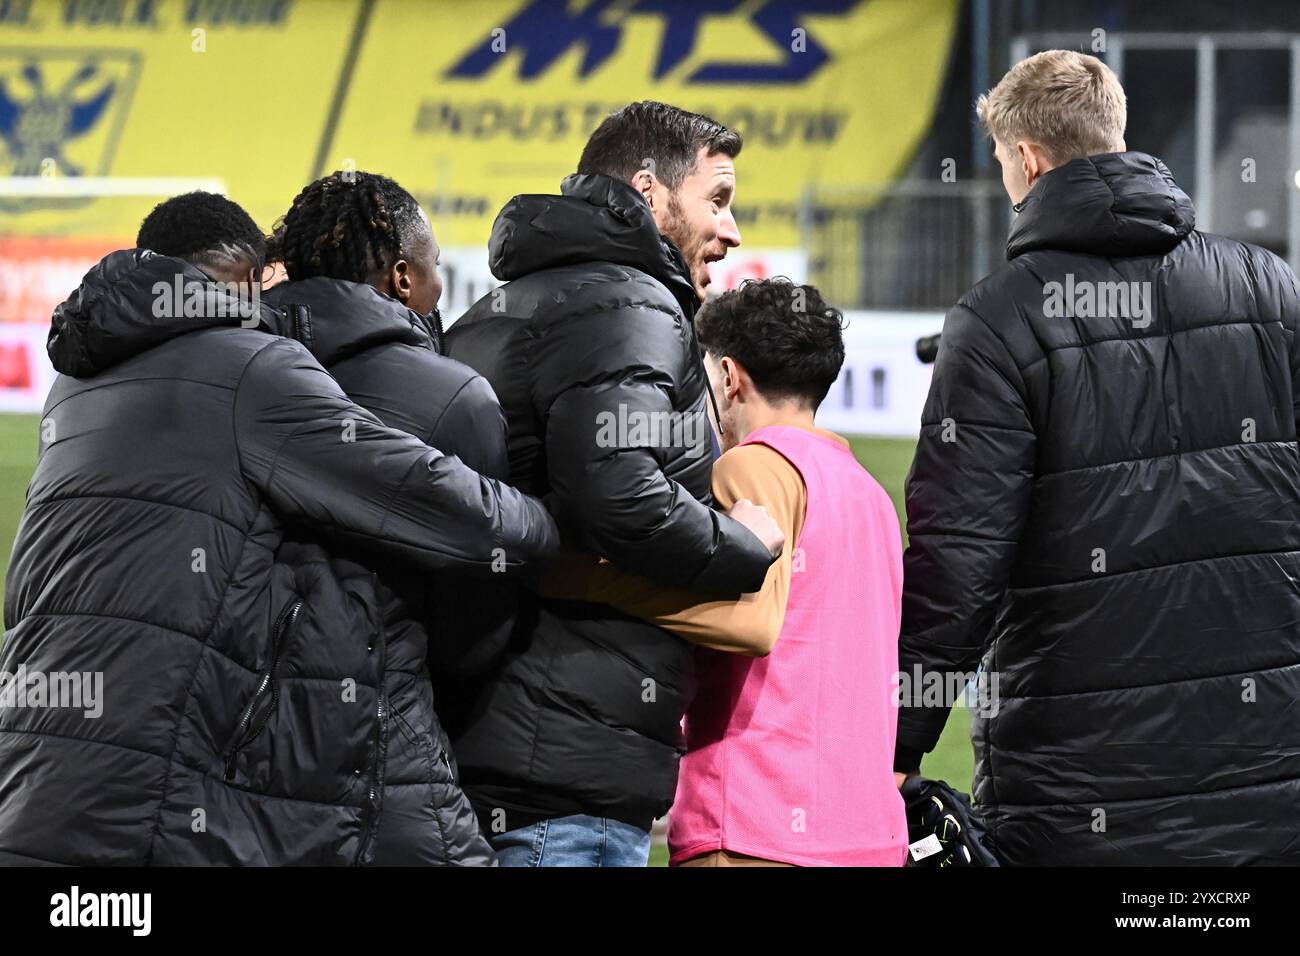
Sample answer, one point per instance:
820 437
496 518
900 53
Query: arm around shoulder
323 461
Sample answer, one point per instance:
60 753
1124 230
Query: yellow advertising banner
464 103
501 99
232 91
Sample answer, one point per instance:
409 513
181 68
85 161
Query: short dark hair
649 131
345 226
205 229
785 335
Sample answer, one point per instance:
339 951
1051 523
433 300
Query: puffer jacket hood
127 304
596 218
346 318
1114 204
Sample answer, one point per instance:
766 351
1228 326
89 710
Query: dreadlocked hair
346 225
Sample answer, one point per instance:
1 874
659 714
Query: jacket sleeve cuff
739 563
907 759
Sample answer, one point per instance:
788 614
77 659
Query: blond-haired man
1105 508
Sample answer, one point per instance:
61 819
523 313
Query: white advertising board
882 387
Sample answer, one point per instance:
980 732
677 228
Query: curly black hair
347 225
206 229
785 335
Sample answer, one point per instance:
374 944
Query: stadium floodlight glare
102 186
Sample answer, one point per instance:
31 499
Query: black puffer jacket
588 343
388 359
1105 503
245 708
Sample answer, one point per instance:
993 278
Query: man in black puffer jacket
362 295
572 748
245 713
1105 505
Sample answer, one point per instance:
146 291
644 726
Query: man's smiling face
697 215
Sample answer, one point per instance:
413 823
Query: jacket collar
342 318
1112 204
595 219
133 300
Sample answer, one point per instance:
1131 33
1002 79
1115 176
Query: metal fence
906 245
920 244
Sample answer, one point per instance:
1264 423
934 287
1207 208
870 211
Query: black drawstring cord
708 387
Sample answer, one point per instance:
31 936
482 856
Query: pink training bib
790 757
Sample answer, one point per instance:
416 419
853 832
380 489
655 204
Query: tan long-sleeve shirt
749 625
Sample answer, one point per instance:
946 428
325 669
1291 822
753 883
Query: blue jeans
577 840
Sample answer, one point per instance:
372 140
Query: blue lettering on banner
548 29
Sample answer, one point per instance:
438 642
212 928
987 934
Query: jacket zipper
283 623
439 338
379 749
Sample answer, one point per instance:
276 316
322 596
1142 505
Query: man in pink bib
790 736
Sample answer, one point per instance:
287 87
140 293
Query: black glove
942 826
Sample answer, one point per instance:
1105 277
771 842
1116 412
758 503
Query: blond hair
1071 104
